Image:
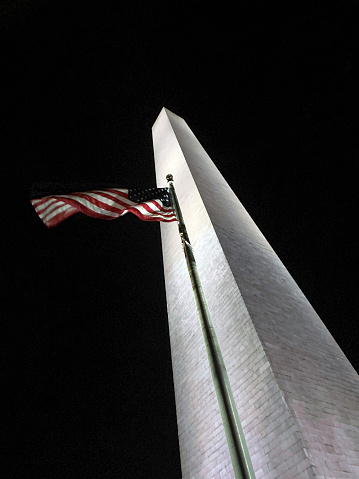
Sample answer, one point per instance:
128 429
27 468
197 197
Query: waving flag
149 204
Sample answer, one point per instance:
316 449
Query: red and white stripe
106 204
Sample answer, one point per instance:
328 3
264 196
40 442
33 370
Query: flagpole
241 461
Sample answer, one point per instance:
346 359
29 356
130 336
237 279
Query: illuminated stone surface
296 393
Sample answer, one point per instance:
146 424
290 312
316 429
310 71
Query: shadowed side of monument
297 395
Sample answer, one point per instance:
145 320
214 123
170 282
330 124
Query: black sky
268 89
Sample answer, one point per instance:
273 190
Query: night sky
268 89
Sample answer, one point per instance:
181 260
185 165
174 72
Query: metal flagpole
241 461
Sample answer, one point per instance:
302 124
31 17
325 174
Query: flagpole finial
169 177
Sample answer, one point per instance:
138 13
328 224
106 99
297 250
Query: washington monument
296 394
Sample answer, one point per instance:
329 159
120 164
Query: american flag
148 204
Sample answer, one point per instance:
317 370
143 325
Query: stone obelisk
296 393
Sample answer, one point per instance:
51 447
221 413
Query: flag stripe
88 205
50 207
61 214
127 202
